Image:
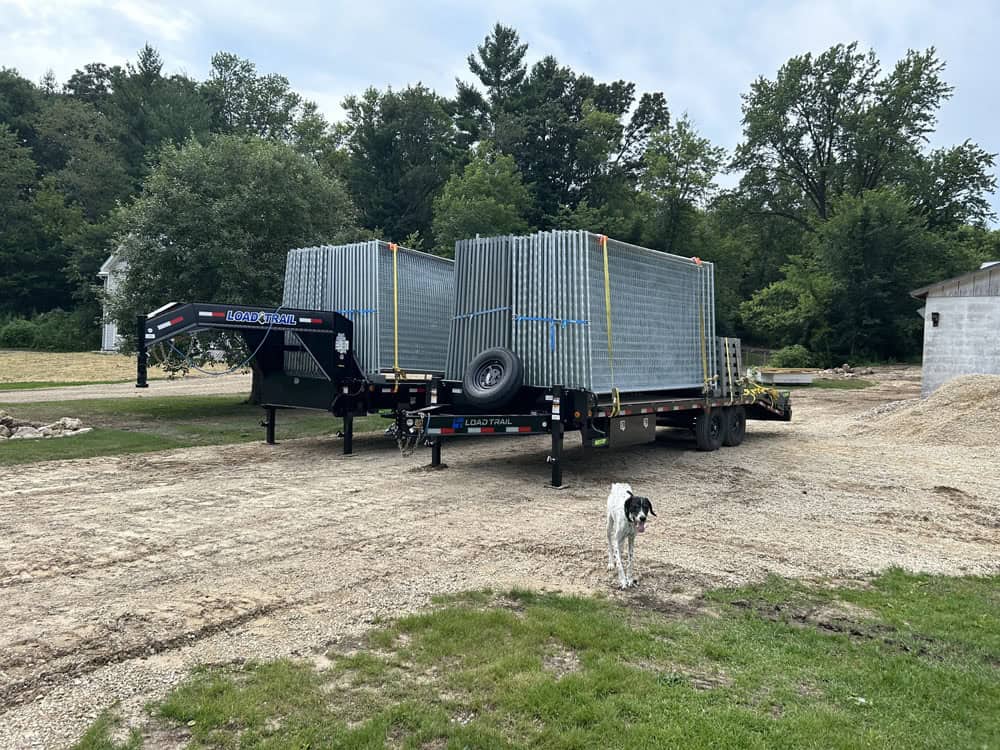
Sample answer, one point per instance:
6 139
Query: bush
53 331
17 334
792 356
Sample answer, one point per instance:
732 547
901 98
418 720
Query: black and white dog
627 514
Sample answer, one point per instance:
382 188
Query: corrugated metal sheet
543 296
984 282
356 280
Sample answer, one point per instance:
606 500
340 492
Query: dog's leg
631 558
611 554
623 580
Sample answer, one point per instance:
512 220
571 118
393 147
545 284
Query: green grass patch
37 384
905 661
100 735
138 425
846 384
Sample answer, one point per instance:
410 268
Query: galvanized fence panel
481 311
544 296
424 286
352 280
657 303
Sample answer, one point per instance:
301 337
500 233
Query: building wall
965 342
109 329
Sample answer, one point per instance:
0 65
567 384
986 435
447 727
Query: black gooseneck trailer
717 416
326 337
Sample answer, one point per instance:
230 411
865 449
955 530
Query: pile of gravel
887 408
12 428
964 411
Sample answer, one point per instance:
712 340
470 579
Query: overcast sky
702 55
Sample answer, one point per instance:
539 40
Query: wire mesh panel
548 297
358 281
481 317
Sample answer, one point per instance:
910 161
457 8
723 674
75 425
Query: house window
935 319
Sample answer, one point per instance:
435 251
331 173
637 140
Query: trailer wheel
736 425
493 378
709 428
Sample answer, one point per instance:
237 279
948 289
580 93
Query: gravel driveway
119 574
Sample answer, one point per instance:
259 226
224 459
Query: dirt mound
963 411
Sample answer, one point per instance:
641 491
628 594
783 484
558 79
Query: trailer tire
493 378
709 429
736 425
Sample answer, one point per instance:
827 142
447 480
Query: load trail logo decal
259 316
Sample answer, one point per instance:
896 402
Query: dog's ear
649 507
631 506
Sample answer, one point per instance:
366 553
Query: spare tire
493 378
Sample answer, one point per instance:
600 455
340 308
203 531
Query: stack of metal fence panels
358 280
546 297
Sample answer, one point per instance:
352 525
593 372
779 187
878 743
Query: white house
110 274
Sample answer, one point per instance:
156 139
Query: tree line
202 186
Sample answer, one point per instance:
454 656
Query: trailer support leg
142 361
556 458
348 434
436 454
269 425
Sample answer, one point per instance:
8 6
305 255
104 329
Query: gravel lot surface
119 574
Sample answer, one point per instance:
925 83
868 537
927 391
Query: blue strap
553 322
354 312
479 312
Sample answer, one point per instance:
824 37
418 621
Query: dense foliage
840 210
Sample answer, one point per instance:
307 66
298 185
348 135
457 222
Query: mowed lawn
151 424
903 661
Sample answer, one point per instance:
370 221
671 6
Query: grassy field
71 368
150 424
903 661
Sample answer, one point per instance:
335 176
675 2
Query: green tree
488 198
22 287
265 106
401 149
150 109
77 145
876 249
680 173
833 124
216 220
20 100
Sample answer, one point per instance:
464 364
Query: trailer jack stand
556 457
348 434
268 424
436 455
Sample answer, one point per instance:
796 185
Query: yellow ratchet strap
616 399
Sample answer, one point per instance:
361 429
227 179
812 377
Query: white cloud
703 56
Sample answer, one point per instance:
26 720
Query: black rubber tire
709 429
493 378
736 425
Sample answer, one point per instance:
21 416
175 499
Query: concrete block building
961 326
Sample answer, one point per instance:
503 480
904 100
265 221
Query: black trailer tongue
335 383
269 332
